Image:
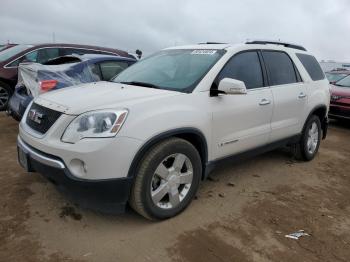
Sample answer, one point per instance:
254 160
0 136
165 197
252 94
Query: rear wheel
167 179
310 140
5 94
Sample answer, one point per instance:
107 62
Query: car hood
340 91
99 95
340 95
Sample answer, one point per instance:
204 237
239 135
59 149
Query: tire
5 95
152 180
309 143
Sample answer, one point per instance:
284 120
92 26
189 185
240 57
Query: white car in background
149 137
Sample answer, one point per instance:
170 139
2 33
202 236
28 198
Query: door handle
264 102
302 95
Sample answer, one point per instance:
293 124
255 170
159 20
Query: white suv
152 134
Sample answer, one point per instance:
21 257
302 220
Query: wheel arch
192 135
7 82
321 112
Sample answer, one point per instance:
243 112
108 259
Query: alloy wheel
313 137
171 181
4 96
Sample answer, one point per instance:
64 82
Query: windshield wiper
137 83
340 85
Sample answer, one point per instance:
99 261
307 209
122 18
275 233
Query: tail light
47 85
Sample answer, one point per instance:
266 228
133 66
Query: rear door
242 122
289 94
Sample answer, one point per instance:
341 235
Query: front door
242 122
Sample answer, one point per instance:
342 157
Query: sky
322 26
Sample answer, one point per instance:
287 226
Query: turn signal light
47 85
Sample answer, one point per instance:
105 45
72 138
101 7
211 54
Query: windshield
178 70
345 82
332 77
10 52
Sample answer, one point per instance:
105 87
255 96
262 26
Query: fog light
78 167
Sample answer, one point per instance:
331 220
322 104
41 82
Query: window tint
110 69
46 54
78 51
66 51
93 71
280 68
312 66
74 51
14 63
39 56
244 67
30 57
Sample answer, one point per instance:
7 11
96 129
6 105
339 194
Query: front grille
41 118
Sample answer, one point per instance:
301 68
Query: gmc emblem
35 116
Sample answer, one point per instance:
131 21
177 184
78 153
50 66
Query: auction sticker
203 52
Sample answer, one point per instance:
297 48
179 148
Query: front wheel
167 179
5 94
310 140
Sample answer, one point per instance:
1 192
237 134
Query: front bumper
339 112
88 159
106 195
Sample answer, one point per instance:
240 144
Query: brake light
47 85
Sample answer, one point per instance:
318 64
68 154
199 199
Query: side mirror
231 86
138 53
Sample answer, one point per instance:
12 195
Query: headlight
103 123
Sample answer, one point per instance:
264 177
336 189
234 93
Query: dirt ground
242 213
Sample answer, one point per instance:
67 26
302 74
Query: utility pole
53 37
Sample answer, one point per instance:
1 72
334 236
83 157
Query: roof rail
211 43
262 42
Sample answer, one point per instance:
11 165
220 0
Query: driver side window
245 67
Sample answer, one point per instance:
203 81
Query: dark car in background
340 99
336 75
12 57
35 79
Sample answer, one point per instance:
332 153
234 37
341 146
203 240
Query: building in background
332 65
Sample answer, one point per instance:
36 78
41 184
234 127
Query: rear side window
244 67
312 66
280 68
110 69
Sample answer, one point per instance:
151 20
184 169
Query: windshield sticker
203 52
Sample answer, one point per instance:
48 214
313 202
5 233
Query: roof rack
262 42
212 43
